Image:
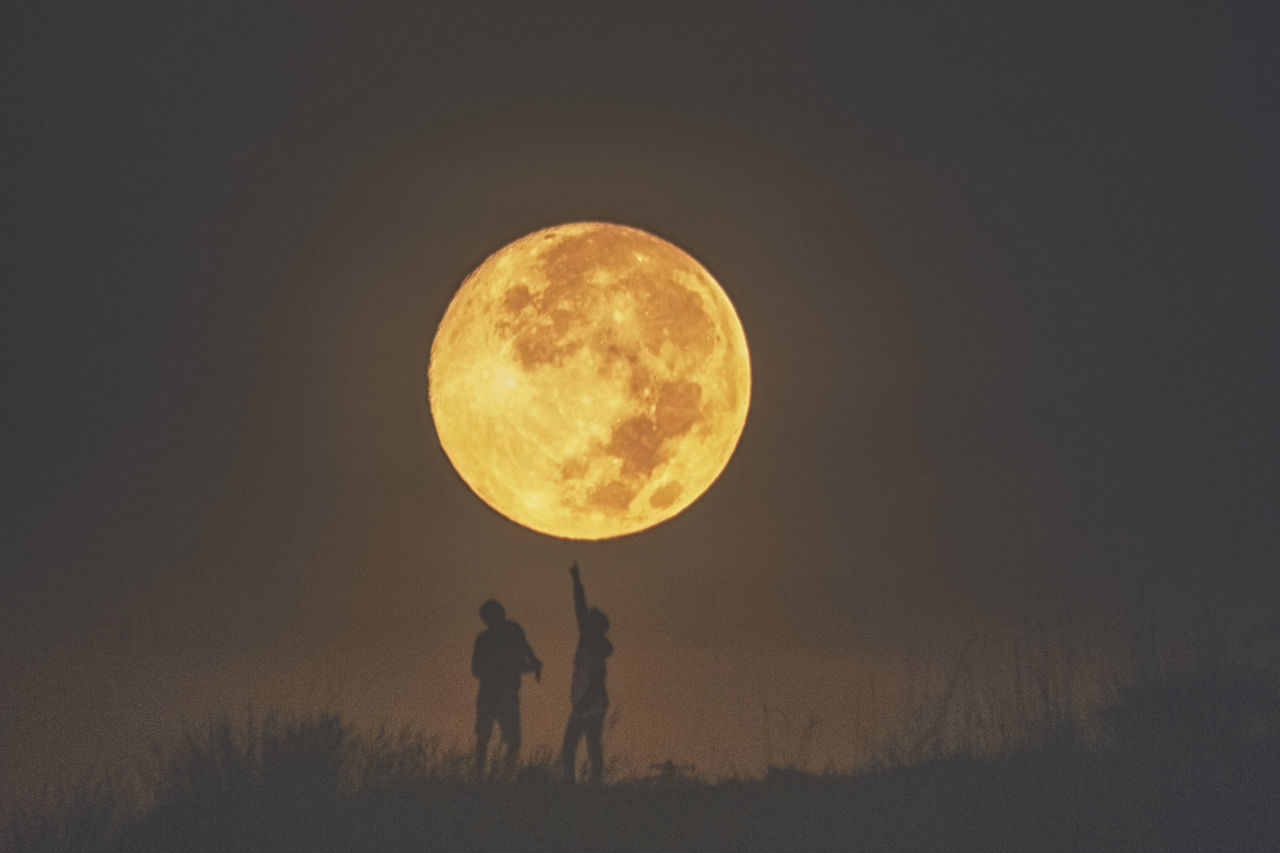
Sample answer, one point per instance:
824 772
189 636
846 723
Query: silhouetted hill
1181 760
313 784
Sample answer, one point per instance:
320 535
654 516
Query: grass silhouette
1184 756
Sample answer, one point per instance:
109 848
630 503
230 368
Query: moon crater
589 380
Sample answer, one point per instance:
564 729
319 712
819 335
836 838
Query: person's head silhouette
492 613
596 622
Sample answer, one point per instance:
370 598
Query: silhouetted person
587 693
500 657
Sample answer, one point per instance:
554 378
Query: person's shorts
503 709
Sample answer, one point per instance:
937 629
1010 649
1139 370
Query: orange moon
589 380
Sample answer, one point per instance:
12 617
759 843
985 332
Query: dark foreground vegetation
1184 762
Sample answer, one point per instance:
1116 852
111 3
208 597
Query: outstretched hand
537 671
573 570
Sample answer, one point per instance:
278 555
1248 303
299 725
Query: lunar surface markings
628 372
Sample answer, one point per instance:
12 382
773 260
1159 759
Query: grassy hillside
1186 760
311 784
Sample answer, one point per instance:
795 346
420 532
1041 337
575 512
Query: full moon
589 380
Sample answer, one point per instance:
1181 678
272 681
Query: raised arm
579 597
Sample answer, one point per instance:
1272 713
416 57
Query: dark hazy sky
1009 274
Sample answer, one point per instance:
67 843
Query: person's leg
509 721
595 747
572 734
484 728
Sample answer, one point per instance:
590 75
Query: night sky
1009 274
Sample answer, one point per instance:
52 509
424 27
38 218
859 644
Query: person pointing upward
588 697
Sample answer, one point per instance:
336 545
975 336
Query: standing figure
500 657
587 693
